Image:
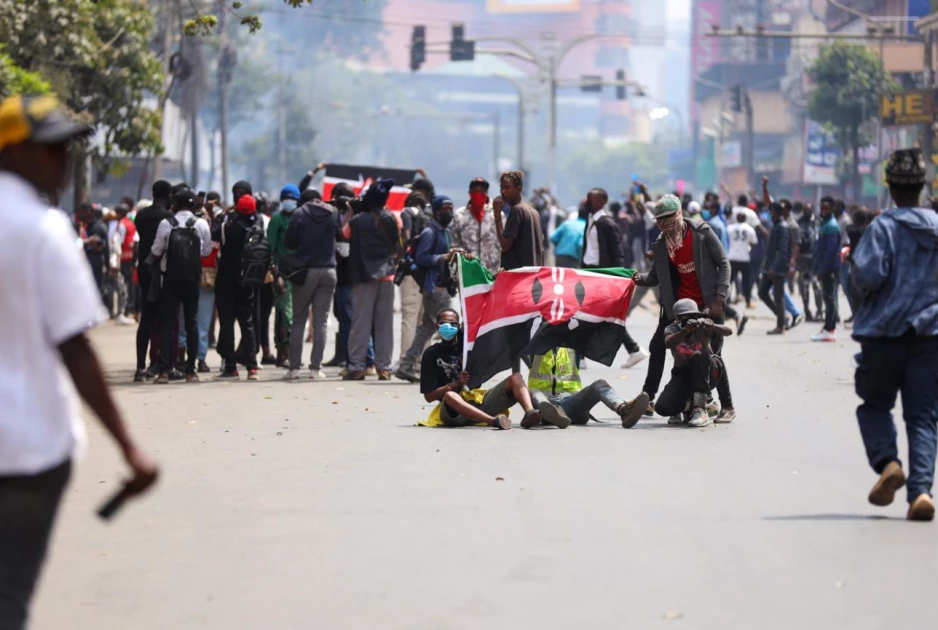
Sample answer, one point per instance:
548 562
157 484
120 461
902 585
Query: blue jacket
894 267
568 238
434 242
719 228
827 251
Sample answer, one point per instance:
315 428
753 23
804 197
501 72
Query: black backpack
184 253
255 257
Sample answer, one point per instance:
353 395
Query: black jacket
231 231
374 243
610 243
312 233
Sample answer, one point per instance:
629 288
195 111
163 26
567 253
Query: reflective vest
555 373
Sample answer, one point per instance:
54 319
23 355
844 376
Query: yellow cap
40 118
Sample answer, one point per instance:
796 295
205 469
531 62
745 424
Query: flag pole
462 314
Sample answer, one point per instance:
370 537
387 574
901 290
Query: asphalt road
320 505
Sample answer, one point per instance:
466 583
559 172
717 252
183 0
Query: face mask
706 215
288 205
445 218
478 199
448 331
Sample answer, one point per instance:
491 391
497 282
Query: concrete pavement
319 505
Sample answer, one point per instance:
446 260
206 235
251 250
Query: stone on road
320 505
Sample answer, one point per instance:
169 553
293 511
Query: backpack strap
173 222
191 222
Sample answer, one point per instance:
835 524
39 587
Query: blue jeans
908 364
577 406
790 305
342 309
203 319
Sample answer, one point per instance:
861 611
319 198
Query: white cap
693 207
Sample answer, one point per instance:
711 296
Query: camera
405 267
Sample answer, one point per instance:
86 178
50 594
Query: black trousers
702 374
656 360
28 506
265 306
236 303
175 294
776 300
829 286
148 327
743 270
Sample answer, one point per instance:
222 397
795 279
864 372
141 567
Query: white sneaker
699 418
635 358
292 375
316 375
825 336
123 320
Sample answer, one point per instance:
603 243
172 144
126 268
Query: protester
94 236
46 355
603 250
554 383
742 239
473 228
792 225
689 253
521 238
411 312
697 369
310 264
283 305
893 268
233 299
443 380
374 238
127 252
827 269
147 222
181 242
265 292
775 269
809 229
855 231
568 240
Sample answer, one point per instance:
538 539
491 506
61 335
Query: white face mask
288 205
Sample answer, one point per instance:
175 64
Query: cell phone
114 504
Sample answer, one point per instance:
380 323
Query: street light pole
521 107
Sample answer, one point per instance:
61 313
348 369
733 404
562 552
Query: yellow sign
533 6
916 107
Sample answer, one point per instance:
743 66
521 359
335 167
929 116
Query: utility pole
226 62
167 42
521 112
281 132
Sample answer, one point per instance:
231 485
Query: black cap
184 200
479 181
244 186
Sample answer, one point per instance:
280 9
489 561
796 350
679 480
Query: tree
95 55
849 81
15 80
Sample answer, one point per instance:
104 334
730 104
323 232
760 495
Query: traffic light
736 98
622 90
459 48
418 47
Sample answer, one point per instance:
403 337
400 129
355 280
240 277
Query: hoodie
311 233
827 252
894 269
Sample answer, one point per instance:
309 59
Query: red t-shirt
683 260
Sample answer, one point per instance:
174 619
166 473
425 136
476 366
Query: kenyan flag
579 309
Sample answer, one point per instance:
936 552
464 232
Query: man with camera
434 250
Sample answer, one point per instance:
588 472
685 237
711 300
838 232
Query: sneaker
553 415
203 368
123 320
406 375
699 418
712 409
358 375
676 420
890 481
922 509
650 410
252 374
384 375
371 371
741 324
141 375
192 378
632 411
532 418
228 375
776 331
825 336
725 416
292 375
176 375
343 372
635 358
502 422
162 379
316 375
797 319
269 360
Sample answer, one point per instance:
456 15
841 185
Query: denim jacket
895 268
434 243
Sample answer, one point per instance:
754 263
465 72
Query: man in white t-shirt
742 237
48 300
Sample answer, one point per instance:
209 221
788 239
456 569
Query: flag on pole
579 309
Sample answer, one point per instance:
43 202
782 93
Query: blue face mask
706 215
448 331
288 205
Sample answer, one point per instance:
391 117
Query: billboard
533 6
705 50
914 107
821 155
